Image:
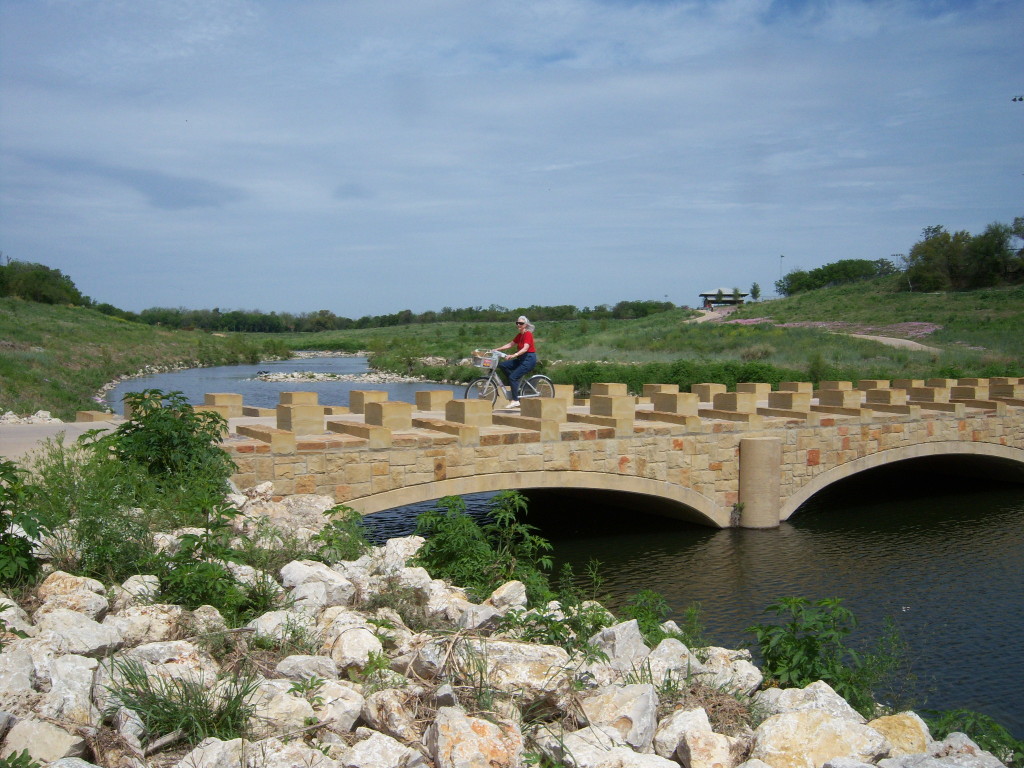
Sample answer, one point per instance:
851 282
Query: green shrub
982 729
344 536
480 558
19 760
810 646
171 440
18 527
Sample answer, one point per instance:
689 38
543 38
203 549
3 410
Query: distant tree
736 293
836 273
36 282
719 297
755 292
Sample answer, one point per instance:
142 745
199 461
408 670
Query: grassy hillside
55 358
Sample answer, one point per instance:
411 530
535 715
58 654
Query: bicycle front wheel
482 389
542 386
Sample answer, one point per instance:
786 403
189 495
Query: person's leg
525 364
506 366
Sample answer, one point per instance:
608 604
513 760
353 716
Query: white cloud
371 156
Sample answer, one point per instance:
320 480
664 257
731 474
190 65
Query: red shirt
524 338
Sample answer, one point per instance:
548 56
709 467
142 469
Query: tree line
940 261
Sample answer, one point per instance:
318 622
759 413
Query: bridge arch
1004 454
664 498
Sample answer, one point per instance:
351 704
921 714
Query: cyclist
523 360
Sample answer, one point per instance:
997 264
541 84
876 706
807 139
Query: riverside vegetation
153 616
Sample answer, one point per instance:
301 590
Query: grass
57 358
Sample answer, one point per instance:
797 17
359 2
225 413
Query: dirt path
889 341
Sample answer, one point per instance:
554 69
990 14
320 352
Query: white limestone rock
283 624
624 646
629 710
672 728
906 731
377 750
276 709
69 699
152 623
67 631
303 667
731 670
706 749
350 645
341 705
536 676
810 738
17 669
511 594
455 740
135 590
14 618
393 711
337 590
817 696
44 741
672 659
595 748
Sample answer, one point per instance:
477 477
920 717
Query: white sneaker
513 404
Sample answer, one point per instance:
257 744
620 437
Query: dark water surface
939 555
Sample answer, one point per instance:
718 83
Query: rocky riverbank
373 663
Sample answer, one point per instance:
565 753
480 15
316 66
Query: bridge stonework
750 467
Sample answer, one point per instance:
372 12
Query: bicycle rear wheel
542 385
482 389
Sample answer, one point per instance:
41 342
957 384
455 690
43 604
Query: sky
369 156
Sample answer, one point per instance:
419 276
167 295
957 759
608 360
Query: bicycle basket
483 359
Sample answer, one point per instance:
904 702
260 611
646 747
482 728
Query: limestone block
88 416
1003 380
614 388
942 383
707 392
301 419
907 383
250 410
433 399
547 408
790 401
972 382
906 731
336 410
887 396
564 392
811 738
685 403
758 388
929 394
281 440
843 398
650 390
230 399
832 385
358 398
389 414
476 413
220 410
298 398
45 742
741 402
1006 390
968 393
796 386
378 437
866 384
616 406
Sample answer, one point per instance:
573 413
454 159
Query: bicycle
490 386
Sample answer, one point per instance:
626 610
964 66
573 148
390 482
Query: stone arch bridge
746 458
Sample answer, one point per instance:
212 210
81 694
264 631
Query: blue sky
371 156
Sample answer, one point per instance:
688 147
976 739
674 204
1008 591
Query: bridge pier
760 483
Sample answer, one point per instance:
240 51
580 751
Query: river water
940 556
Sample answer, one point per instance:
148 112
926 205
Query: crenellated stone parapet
747 458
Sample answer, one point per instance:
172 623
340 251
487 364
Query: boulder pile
373 663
